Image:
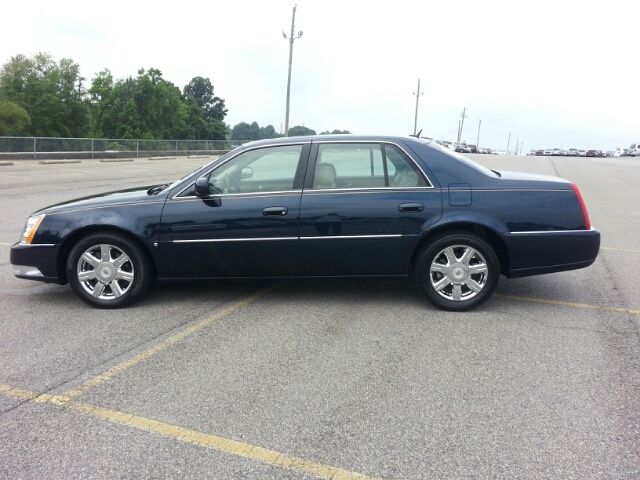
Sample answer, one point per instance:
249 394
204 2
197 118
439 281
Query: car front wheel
457 272
107 270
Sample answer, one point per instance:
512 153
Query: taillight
583 206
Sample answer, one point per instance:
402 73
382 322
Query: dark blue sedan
326 206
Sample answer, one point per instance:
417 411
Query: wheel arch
74 237
487 234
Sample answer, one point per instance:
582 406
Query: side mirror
247 172
202 186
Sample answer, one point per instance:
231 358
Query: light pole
291 39
418 94
508 143
464 115
478 139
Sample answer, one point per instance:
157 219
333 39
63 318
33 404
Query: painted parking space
335 378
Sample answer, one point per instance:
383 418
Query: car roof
337 138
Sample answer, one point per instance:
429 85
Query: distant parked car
473 148
582 153
593 153
572 152
608 153
556 152
539 153
634 150
547 151
462 148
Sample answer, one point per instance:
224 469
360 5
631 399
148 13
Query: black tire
108 270
457 272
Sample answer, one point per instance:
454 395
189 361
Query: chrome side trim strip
551 232
558 190
338 191
232 196
326 237
350 237
211 240
38 244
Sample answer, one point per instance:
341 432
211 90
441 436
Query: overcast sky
558 73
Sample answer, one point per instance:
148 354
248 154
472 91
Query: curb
162 158
51 162
5 164
111 160
199 156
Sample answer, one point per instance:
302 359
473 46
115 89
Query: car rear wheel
457 272
107 270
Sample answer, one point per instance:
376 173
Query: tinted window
344 165
262 170
365 165
401 170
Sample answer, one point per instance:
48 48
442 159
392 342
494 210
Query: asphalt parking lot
324 379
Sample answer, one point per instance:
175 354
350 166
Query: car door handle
411 207
275 211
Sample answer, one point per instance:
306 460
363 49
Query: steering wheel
232 184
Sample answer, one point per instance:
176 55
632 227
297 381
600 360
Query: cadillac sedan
324 206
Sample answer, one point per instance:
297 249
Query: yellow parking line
568 304
170 341
17 392
233 447
14 176
620 249
70 169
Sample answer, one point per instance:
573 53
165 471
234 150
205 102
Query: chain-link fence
40 148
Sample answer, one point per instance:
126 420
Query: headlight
30 229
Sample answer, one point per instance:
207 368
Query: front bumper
35 262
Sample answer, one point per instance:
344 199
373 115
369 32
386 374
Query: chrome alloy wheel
105 272
458 273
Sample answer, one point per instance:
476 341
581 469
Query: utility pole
291 39
462 123
508 143
478 139
417 93
517 145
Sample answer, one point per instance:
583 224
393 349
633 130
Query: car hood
120 197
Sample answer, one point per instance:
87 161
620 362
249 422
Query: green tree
14 120
147 106
335 132
52 94
209 122
269 132
299 131
244 131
